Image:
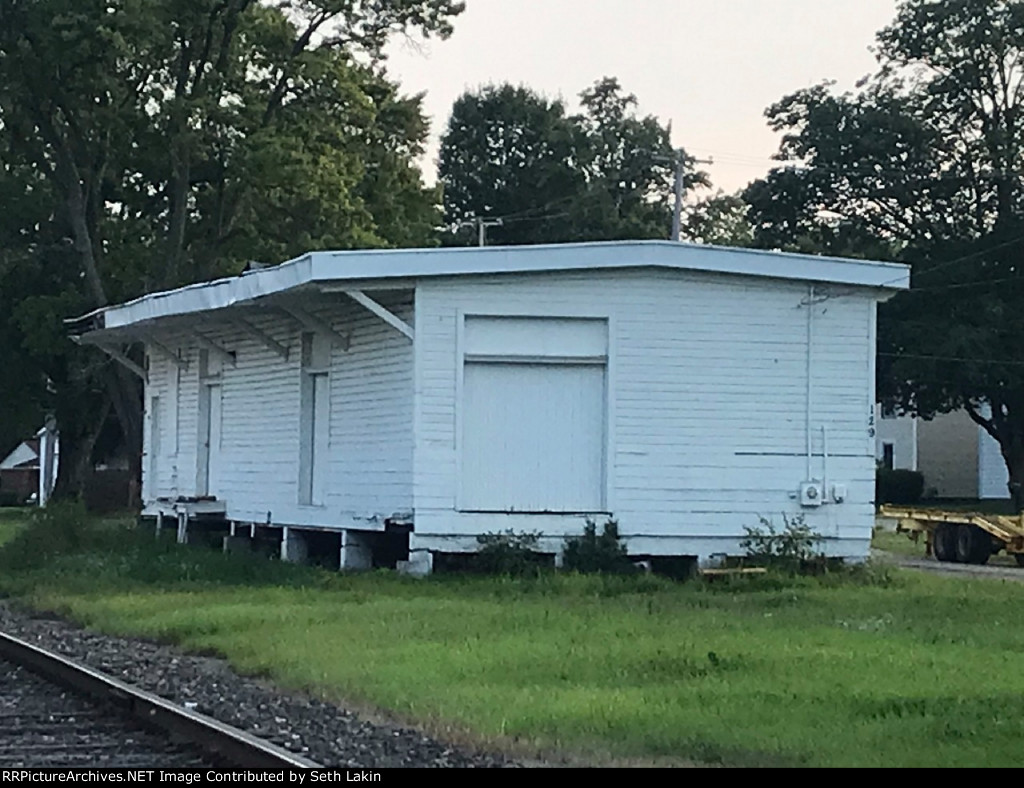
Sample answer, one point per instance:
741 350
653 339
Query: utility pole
677 216
481 225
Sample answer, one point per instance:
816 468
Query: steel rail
213 737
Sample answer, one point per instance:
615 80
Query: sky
711 67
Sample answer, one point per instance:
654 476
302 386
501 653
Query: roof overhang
395 269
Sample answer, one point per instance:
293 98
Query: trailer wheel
944 542
973 545
983 546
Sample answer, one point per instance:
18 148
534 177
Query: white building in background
686 391
30 470
957 457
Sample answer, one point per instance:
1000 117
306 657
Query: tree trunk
77 441
1013 454
1005 423
126 397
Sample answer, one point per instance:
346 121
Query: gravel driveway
928 564
321 731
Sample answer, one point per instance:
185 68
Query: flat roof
414 264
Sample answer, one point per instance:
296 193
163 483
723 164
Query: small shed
686 391
19 472
29 472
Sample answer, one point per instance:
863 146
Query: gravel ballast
321 731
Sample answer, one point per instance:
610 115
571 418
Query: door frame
206 388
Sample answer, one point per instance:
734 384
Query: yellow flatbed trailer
961 537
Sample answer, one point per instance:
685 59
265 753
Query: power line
964 285
545 218
481 223
941 266
539 208
954 359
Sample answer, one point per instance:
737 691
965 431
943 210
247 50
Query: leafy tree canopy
922 163
605 173
152 144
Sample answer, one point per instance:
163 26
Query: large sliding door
315 421
534 415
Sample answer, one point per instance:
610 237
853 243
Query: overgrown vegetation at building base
593 552
509 553
797 670
793 549
790 550
517 554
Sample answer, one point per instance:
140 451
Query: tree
630 166
720 220
178 139
510 152
602 174
24 395
923 163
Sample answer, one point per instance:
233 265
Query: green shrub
793 549
508 553
597 553
899 486
52 530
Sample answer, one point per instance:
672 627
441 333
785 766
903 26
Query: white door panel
321 434
533 438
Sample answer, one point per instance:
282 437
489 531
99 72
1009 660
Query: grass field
12 520
862 672
897 544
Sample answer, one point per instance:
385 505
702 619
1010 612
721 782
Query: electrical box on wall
839 493
811 494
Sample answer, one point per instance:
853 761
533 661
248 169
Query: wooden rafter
225 355
317 325
262 337
386 315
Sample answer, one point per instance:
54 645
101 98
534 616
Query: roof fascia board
357 270
211 296
416 264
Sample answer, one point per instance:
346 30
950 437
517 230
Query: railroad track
55 713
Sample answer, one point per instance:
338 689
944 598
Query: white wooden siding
707 399
369 469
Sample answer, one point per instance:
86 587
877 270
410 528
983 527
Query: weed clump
598 553
508 553
791 549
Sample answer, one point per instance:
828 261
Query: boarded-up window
155 448
208 476
534 415
315 415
